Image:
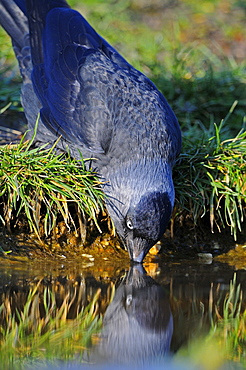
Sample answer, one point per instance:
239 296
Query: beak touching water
138 248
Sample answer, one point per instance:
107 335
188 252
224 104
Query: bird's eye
129 224
128 299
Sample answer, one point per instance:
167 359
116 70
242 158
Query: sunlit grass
210 176
41 184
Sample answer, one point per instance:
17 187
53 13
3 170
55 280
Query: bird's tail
14 21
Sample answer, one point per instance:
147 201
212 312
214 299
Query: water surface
149 312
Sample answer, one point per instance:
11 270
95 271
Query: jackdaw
101 106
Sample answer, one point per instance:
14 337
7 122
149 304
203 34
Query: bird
137 325
101 106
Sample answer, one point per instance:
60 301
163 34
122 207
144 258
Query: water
150 313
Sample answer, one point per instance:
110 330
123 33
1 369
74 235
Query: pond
167 314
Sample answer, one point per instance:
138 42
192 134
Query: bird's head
141 209
145 223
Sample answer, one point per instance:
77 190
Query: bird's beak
138 257
137 248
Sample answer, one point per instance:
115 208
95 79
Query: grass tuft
42 184
210 176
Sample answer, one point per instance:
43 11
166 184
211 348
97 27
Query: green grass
41 184
210 177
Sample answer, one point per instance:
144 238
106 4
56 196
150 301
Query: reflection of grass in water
226 340
30 335
229 327
41 330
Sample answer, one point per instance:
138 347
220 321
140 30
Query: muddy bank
187 242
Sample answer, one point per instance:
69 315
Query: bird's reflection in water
138 324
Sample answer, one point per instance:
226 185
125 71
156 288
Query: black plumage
102 106
137 325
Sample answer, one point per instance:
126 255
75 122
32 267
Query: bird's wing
73 107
